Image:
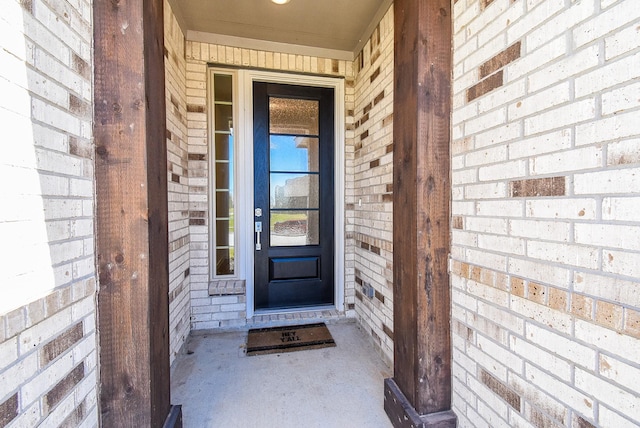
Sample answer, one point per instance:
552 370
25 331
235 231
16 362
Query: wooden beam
420 392
131 218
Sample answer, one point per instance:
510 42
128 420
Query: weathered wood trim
422 107
131 218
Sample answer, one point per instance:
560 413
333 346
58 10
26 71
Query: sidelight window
223 230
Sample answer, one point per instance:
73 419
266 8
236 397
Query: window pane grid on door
223 155
294 171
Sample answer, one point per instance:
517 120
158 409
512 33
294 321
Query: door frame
244 175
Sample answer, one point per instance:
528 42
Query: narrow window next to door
222 177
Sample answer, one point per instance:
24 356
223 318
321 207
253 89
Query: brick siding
178 183
545 228
48 355
545 231
369 209
48 365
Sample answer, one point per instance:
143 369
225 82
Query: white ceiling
339 25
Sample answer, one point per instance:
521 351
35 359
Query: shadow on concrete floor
219 386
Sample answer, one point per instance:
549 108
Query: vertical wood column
419 394
131 218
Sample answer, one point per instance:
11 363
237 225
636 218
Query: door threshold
321 308
293 316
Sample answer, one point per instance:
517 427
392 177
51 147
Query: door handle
258 227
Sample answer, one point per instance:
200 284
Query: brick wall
369 207
223 303
47 269
545 239
178 183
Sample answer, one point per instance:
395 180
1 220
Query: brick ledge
229 287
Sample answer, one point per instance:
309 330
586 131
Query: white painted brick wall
566 258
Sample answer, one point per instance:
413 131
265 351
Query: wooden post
131 218
419 394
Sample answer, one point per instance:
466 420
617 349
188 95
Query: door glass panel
294 154
294 228
294 172
293 116
294 191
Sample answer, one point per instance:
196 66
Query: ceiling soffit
338 28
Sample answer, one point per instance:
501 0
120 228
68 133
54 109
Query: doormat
288 339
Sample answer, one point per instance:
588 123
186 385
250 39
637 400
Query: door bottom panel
294 268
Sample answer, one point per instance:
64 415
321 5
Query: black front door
294 204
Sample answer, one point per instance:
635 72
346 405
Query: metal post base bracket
174 418
402 414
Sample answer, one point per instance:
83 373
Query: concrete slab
219 386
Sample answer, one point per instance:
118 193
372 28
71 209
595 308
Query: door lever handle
258 226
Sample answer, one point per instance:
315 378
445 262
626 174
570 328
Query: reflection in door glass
293 154
290 190
224 146
223 87
294 228
223 117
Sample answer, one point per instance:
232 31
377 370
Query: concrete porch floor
219 386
